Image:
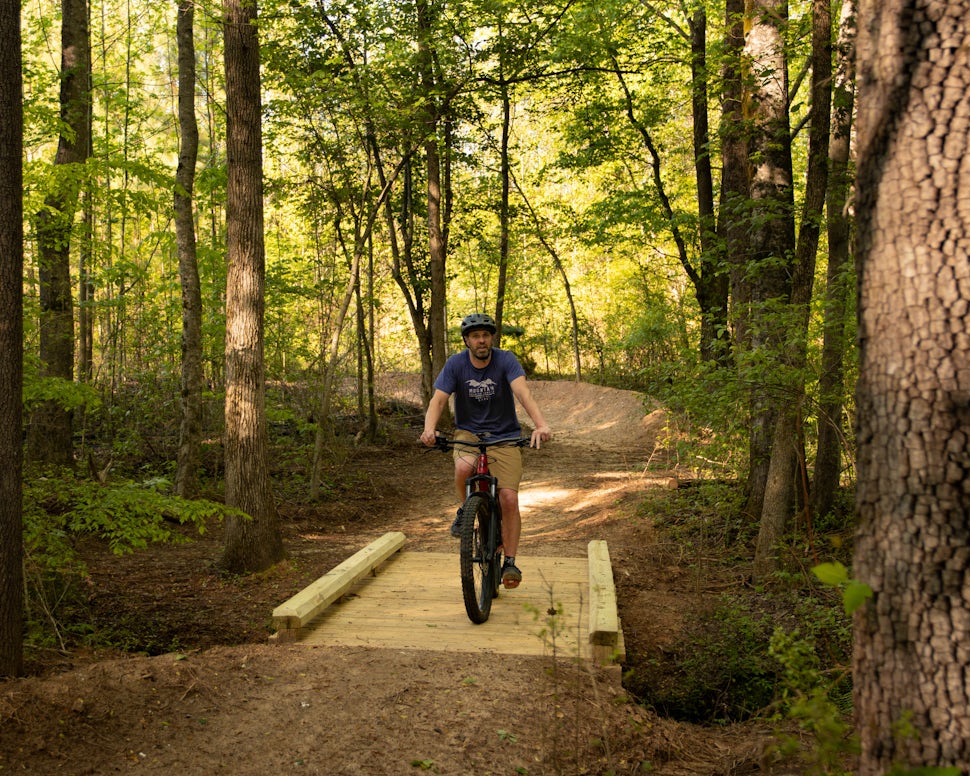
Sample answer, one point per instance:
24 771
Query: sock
509 560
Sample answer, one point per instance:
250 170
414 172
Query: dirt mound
577 412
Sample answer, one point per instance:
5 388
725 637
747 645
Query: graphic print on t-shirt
481 390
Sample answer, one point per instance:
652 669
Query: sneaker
511 576
456 526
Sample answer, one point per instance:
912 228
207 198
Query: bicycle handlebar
446 444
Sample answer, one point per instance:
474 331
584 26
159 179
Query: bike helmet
477 321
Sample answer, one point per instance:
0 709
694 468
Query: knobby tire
479 569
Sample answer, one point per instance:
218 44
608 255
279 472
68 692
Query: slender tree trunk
11 342
910 677
771 218
503 214
787 468
190 430
50 433
437 325
712 285
85 291
735 190
828 459
557 262
253 543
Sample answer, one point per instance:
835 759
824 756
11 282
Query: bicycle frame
481 529
482 480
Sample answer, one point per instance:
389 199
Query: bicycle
480 550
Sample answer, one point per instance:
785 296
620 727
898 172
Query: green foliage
700 515
718 671
854 593
67 394
127 515
811 697
60 509
726 664
708 415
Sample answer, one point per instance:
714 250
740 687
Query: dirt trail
255 708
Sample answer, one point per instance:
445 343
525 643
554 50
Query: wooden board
604 624
302 608
415 602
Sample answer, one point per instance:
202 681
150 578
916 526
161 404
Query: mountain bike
480 550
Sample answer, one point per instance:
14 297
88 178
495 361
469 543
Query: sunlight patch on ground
535 495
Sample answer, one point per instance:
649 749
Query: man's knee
508 497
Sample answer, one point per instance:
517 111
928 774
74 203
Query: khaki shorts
504 461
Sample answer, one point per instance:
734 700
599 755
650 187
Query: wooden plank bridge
384 596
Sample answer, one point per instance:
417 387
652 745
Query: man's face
479 342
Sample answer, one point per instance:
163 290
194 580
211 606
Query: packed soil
208 693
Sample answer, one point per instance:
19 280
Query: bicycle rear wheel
478 558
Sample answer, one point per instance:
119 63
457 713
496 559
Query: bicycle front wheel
478 557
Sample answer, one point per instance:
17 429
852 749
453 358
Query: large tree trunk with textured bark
912 686
11 342
255 542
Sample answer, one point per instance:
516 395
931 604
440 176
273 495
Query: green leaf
855 595
833 574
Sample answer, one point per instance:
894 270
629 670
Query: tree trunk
50 433
772 230
11 342
712 285
557 262
831 383
503 214
912 686
190 431
437 326
735 195
787 467
253 543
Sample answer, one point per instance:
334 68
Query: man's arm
435 407
542 431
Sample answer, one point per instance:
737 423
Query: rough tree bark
734 170
255 542
11 341
912 686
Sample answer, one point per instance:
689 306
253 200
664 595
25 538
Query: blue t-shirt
484 402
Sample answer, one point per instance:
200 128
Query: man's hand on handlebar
429 437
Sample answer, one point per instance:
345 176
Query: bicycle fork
483 482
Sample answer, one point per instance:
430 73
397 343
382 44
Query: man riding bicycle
485 382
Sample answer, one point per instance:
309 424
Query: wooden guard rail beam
605 635
294 614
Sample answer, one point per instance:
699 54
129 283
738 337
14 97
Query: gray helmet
477 321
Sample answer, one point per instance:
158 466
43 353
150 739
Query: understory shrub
720 669
60 508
